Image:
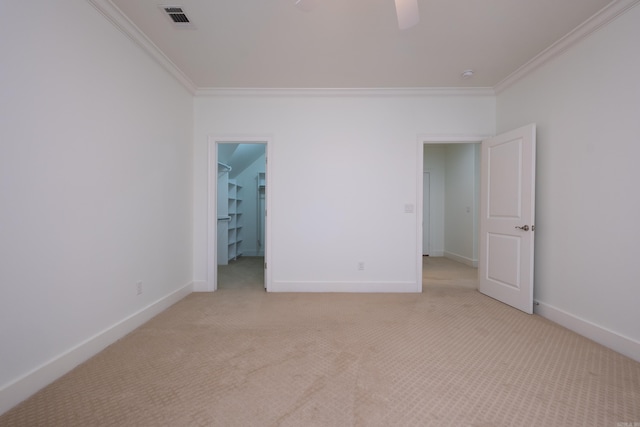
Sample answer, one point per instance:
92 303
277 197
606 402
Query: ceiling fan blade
408 13
306 5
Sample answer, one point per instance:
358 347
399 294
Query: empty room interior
434 202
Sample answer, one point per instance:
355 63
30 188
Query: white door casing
507 217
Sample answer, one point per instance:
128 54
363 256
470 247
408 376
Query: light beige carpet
242 357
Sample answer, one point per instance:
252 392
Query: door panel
507 218
505 179
502 267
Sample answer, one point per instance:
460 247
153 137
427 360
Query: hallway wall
585 103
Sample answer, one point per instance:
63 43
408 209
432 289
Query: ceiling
354 43
239 155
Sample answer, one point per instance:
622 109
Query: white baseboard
607 338
468 261
353 287
22 388
253 253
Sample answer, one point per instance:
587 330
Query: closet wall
434 164
462 182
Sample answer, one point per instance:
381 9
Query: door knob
524 227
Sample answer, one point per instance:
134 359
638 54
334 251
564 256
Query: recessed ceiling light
467 74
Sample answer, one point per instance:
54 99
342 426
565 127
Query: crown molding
129 29
607 14
344 92
582 31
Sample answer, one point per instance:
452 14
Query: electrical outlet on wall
139 288
361 265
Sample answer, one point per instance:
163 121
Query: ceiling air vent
177 16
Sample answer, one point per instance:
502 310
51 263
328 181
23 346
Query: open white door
507 217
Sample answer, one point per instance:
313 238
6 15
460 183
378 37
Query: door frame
515 285
212 203
421 140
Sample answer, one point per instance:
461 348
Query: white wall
342 170
460 202
433 162
586 103
95 188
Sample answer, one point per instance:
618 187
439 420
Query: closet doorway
238 258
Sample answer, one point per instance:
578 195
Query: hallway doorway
450 195
448 204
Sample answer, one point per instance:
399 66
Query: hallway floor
248 273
